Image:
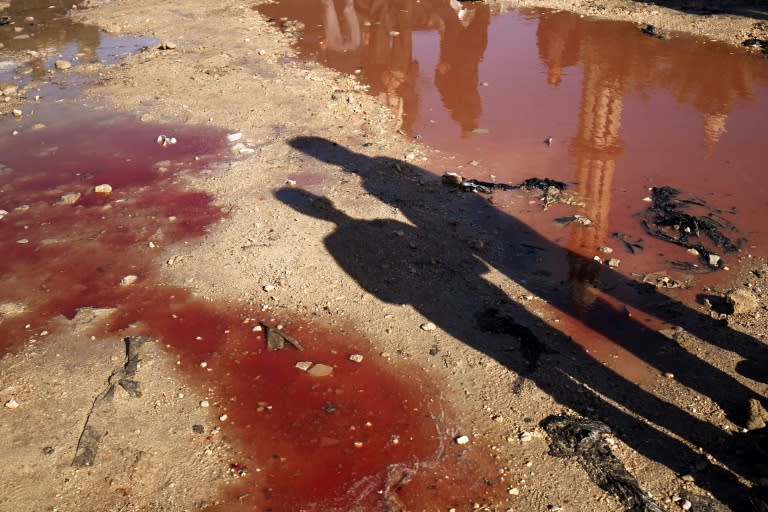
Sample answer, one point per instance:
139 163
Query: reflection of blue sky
112 49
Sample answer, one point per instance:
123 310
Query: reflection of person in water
389 64
462 45
337 40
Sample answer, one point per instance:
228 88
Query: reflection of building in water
614 63
597 145
464 38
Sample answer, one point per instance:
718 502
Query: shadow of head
323 150
310 204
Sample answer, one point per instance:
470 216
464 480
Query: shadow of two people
428 263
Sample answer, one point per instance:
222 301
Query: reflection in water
635 111
42 26
464 38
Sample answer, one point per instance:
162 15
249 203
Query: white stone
12 404
429 326
128 280
356 358
304 365
461 440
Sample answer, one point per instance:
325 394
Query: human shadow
433 264
746 8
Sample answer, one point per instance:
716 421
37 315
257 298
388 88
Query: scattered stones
356 358
62 64
742 300
461 439
104 188
128 280
68 199
11 404
429 326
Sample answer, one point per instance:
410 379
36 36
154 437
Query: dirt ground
228 67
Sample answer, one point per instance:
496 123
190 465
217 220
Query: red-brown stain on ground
364 437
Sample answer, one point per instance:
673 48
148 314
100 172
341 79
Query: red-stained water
625 111
362 438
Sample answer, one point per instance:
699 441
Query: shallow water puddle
362 437
599 105
36 33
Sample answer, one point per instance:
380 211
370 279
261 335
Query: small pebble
268 287
320 370
204 403
686 505
429 326
304 365
104 188
356 358
525 437
11 404
203 364
687 478
128 280
62 64
514 491
461 440
223 417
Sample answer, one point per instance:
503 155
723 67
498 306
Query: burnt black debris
667 219
653 31
585 439
629 245
761 44
553 191
96 423
531 347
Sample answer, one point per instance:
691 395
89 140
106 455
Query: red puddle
362 438
625 111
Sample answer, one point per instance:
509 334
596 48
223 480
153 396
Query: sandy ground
232 69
